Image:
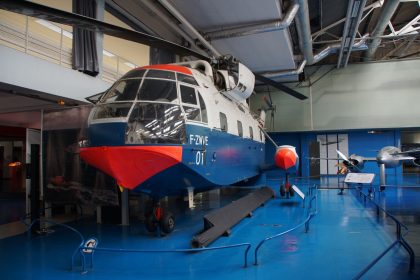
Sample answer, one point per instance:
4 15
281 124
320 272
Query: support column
382 176
100 12
125 221
99 214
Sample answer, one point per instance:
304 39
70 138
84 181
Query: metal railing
194 250
313 196
84 251
33 43
399 236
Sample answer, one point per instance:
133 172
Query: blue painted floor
343 238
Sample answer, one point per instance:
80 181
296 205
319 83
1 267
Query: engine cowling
286 158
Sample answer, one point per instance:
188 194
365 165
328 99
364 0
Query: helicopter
174 129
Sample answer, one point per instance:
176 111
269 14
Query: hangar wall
360 142
27 71
369 95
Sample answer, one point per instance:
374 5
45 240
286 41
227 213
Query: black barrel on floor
220 221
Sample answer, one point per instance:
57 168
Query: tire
282 190
167 223
150 223
291 191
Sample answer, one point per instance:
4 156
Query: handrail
193 250
311 214
82 247
82 243
400 237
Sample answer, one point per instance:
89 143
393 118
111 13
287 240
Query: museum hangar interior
210 139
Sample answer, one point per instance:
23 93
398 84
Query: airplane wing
322 158
411 154
369 159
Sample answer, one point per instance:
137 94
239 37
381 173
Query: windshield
123 90
112 110
158 90
155 123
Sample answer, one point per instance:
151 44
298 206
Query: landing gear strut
286 188
158 219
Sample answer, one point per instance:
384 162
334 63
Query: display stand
361 179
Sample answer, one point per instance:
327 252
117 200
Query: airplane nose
285 158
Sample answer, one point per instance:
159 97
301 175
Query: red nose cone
285 158
132 165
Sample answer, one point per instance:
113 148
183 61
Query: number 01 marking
199 158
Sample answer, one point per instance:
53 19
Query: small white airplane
387 157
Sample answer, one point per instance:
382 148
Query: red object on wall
132 165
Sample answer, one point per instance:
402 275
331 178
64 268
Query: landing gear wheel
291 191
167 223
282 190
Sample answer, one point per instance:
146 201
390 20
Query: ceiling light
107 53
54 28
129 64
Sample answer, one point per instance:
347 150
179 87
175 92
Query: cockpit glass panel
136 73
186 79
188 95
158 90
155 123
192 113
112 110
160 74
123 90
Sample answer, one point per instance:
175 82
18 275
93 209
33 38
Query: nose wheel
286 188
159 219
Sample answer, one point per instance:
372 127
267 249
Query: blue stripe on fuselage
220 157
210 158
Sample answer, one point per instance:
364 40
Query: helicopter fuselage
162 129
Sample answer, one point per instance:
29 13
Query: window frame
223 116
240 129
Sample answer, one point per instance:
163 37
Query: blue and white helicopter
169 129
175 128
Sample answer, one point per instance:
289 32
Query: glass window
251 133
188 95
113 110
158 90
203 109
223 122
155 123
122 91
136 73
160 74
186 79
240 130
192 113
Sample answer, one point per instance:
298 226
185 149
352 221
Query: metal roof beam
354 14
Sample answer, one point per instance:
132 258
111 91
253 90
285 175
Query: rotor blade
280 86
75 20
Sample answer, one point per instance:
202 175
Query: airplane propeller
340 154
79 21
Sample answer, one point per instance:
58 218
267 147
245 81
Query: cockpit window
123 90
136 73
160 74
113 110
188 95
158 90
155 123
186 79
